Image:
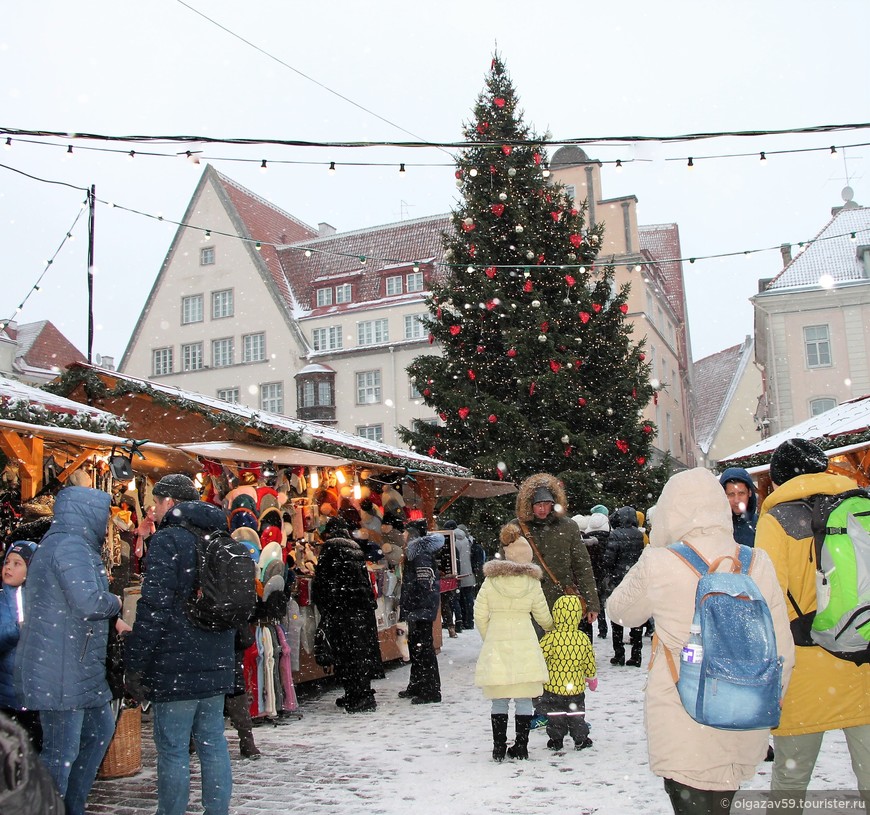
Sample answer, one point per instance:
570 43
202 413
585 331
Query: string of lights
638 265
197 156
48 264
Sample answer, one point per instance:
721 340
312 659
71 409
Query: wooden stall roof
239 451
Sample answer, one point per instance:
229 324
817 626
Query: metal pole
92 197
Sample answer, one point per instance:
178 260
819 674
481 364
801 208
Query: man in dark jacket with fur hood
558 547
184 670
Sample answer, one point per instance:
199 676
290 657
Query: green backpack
841 551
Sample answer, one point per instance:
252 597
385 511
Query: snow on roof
14 393
714 380
307 430
850 417
832 252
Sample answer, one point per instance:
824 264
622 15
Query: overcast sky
581 70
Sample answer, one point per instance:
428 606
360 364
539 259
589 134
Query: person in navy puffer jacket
743 498
184 670
60 664
11 616
624 548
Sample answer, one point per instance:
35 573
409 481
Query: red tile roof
337 257
41 345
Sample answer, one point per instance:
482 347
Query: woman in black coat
342 591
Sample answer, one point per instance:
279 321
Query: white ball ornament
536 303
473 172
502 196
530 255
542 337
565 439
609 411
518 228
512 172
468 221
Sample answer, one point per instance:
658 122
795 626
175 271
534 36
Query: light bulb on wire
331 169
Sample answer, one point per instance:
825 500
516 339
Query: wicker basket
124 756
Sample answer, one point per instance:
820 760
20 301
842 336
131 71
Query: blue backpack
737 684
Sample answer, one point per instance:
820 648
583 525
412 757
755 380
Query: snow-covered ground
408 759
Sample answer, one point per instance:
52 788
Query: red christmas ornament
472 250
527 286
641 356
432 451
454 330
492 169
467 227
490 305
584 317
490 271
548 197
622 445
578 363
575 213
480 349
427 392
507 149
512 352
640 460
556 215
570 280
581 401
647 428
555 366
624 308
596 307
498 102
532 388
458 173
471 375
536 157
492 418
655 397
438 313
634 393
431 339
545 327
540 259
483 127
576 240
497 209
443 416
567 452
463 413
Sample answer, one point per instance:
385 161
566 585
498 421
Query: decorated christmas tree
538 371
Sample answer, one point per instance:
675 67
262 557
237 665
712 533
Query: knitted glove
592 683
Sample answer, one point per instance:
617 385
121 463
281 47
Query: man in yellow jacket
825 693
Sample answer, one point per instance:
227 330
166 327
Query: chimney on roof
107 362
324 229
785 251
11 326
763 283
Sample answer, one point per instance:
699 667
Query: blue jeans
73 745
174 723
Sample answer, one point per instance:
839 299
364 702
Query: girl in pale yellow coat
692 758
511 664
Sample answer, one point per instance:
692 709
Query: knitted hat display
242 499
247 535
242 516
271 534
543 494
796 457
519 551
177 486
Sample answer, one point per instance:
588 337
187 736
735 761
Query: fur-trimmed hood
429 544
506 568
527 492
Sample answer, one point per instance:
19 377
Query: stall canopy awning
239 451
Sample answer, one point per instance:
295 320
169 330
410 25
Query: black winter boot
499 735
520 748
636 658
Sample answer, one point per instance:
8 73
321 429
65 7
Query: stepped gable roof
832 252
266 223
335 258
42 346
714 376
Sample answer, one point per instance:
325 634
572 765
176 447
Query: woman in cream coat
694 760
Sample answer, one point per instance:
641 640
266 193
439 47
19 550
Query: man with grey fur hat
542 518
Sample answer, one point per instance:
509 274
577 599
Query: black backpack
224 594
25 785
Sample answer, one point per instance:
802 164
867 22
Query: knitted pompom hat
519 551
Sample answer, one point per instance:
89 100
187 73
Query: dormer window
344 293
393 285
324 297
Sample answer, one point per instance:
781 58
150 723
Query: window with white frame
222 352
817 345
368 387
372 332
161 361
311 393
413 391
372 432
326 339
650 307
325 393
414 328
254 347
222 304
393 285
206 256
191 356
571 190
191 309
818 406
344 293
230 395
272 397
307 394
324 297
414 281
